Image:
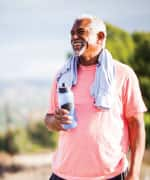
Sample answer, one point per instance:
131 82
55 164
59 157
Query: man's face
83 39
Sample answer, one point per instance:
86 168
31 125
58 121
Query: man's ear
100 35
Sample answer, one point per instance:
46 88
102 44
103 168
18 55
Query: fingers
62 117
61 111
59 127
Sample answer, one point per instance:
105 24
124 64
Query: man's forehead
82 23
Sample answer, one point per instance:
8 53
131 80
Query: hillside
23 100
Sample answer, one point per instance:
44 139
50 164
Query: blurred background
34 43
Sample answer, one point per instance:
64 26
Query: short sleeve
133 101
53 102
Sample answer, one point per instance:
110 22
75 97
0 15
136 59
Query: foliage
7 142
33 139
147 128
141 61
120 44
40 135
2 142
145 85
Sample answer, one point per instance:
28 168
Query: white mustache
77 42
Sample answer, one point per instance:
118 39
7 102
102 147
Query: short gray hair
96 23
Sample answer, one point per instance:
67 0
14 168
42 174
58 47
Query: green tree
120 44
141 62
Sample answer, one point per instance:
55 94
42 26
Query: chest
82 90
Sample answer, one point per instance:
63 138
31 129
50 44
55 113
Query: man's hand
56 121
132 177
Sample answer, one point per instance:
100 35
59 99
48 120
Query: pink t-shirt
96 149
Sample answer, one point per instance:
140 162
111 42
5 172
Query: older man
109 110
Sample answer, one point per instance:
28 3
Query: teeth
77 43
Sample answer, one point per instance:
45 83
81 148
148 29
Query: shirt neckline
90 67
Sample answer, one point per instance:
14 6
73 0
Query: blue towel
102 88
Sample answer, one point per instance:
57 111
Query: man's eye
72 33
81 32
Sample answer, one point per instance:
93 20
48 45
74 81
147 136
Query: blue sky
34 34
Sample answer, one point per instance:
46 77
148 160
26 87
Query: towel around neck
102 89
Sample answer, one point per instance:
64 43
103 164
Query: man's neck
89 60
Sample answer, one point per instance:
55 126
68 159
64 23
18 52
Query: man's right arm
55 122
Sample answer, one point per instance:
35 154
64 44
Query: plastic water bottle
66 101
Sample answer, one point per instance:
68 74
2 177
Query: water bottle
66 101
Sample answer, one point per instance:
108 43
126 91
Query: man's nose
74 36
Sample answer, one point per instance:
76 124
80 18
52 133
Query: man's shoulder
122 68
119 64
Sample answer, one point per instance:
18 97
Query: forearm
137 143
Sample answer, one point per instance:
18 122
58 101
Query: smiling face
84 39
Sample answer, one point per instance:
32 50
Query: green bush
141 61
35 138
120 44
2 143
14 141
10 142
147 128
39 134
144 83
